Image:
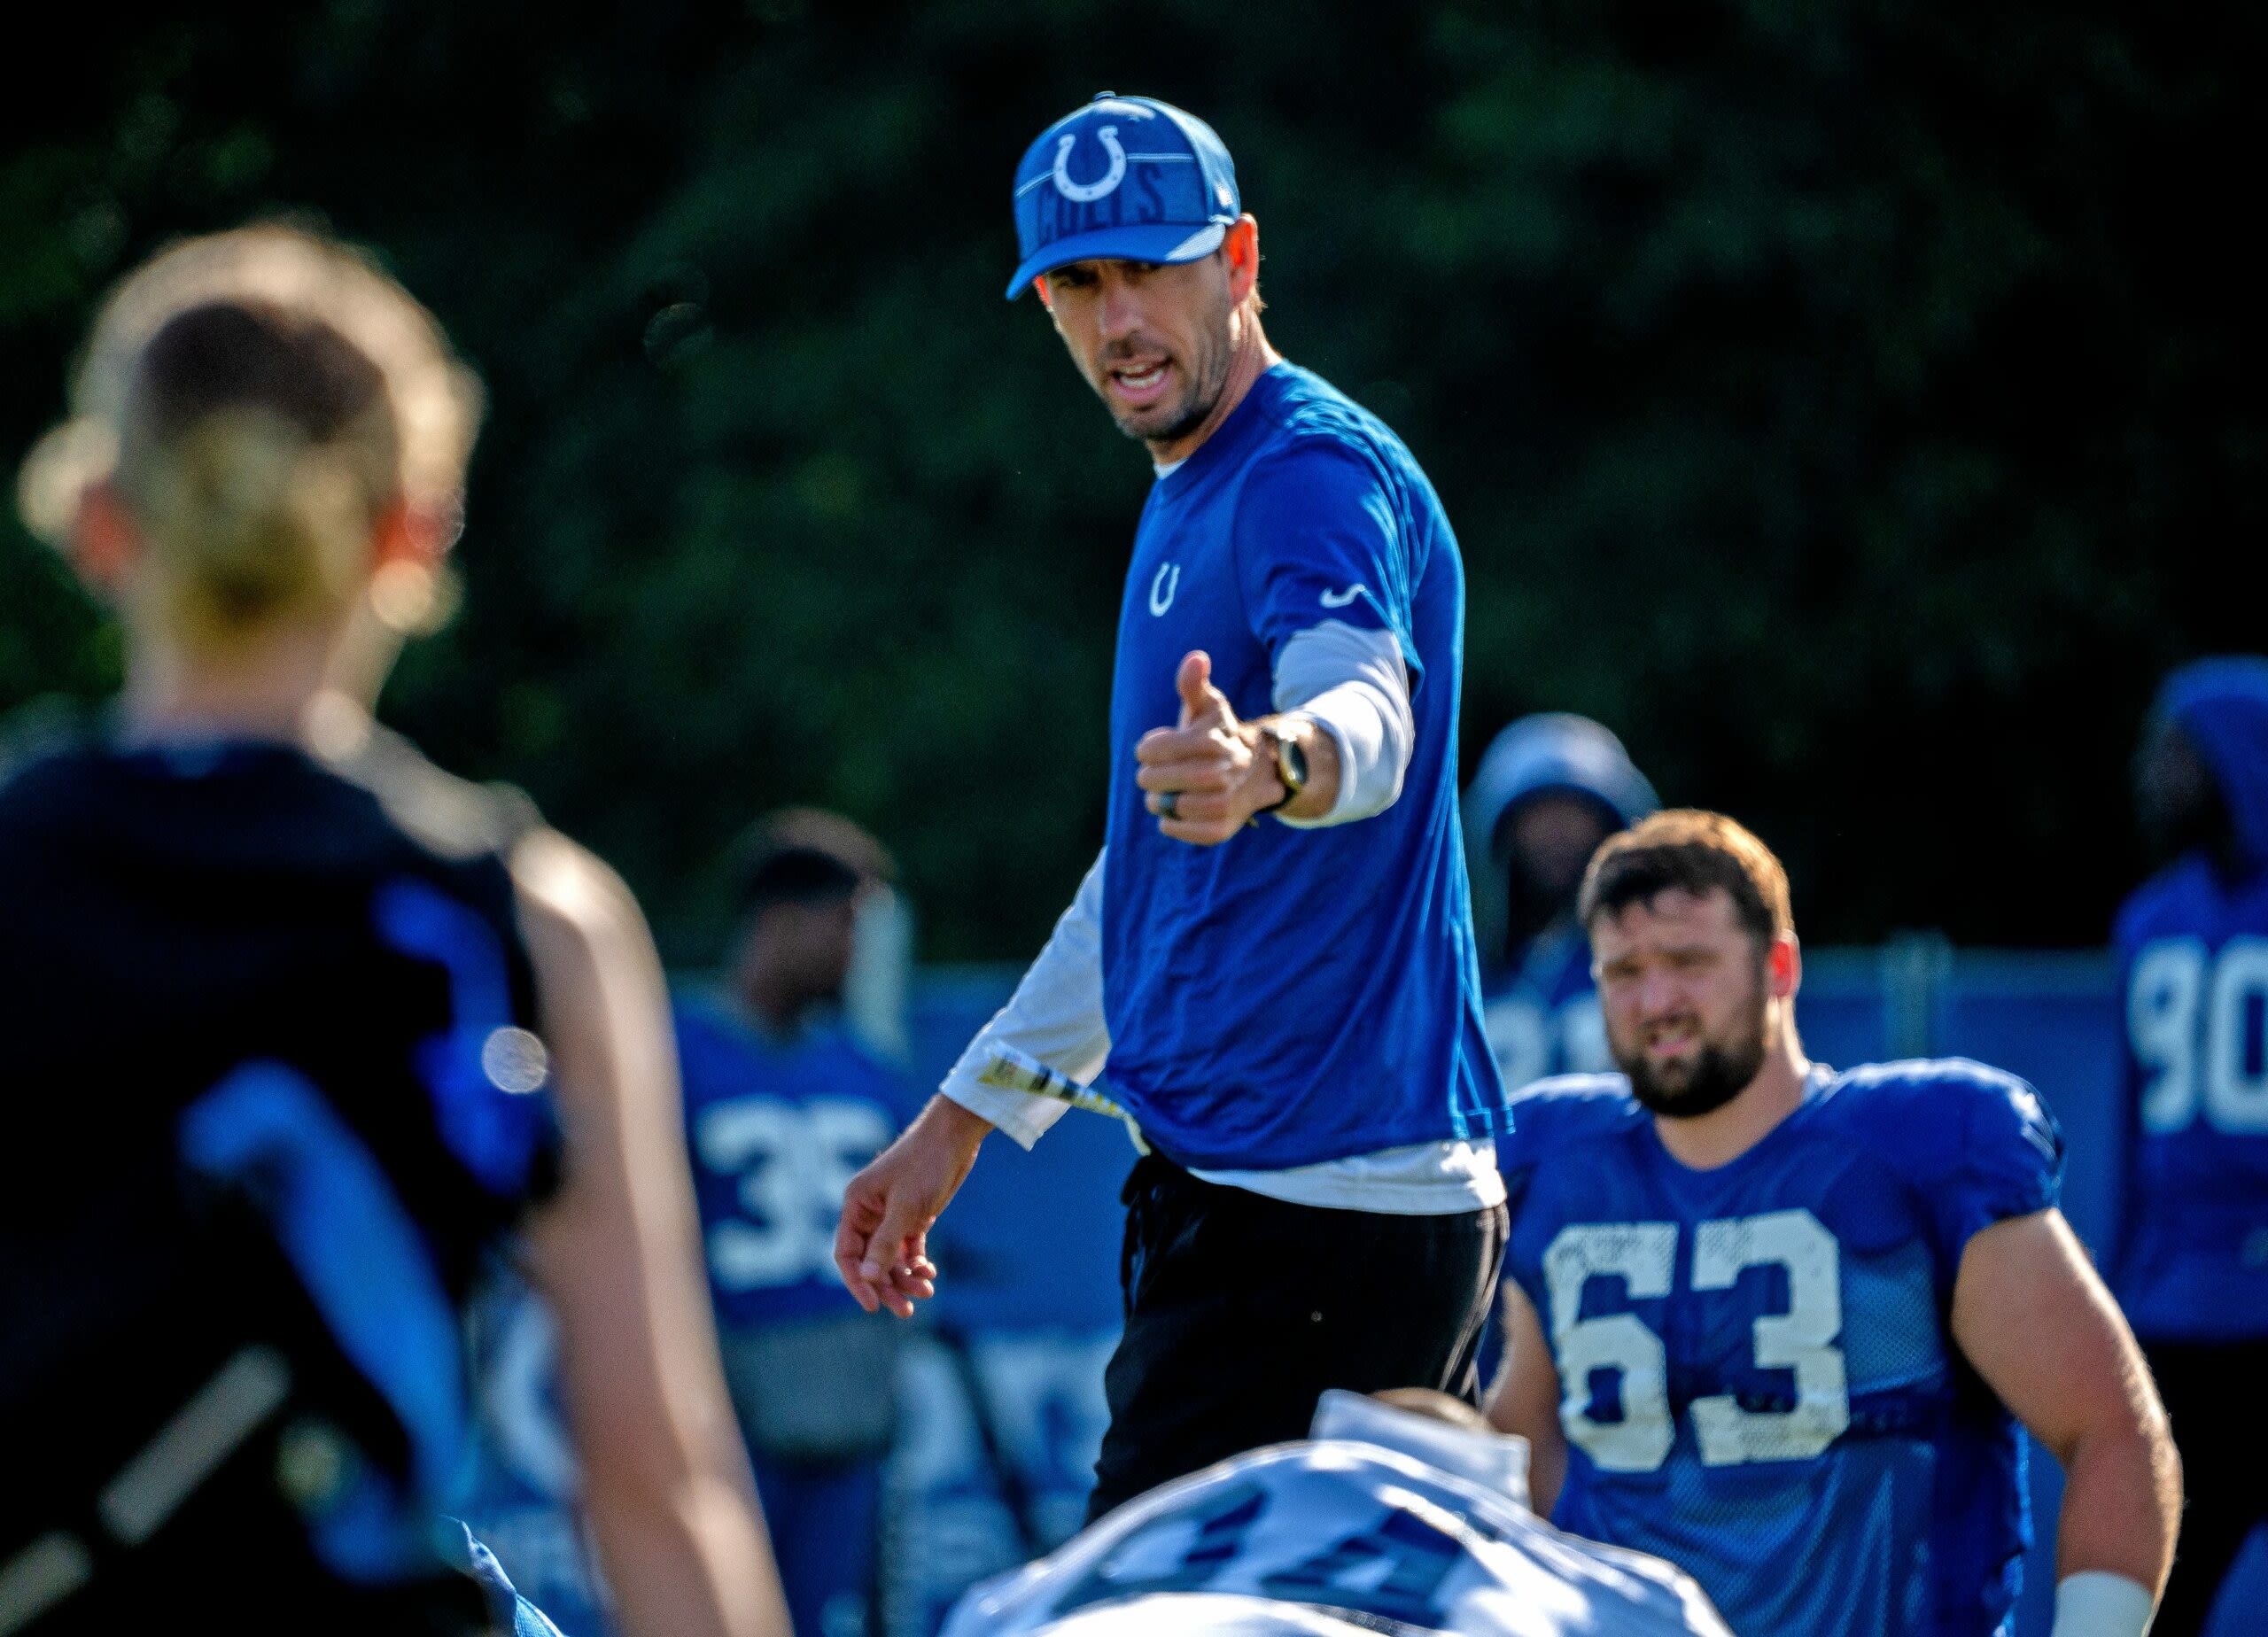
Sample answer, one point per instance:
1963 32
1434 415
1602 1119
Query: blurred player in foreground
1399 1513
2192 1270
1779 1324
1272 959
783 1104
291 1013
1549 788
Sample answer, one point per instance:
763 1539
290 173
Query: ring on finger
1167 801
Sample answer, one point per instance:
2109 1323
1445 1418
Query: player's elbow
2122 1485
2129 1431
2134 1421
2140 1439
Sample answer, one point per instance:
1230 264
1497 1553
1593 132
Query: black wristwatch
1291 766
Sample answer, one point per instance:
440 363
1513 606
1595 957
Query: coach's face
1156 339
1688 997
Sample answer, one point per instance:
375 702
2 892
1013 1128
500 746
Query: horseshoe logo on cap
1084 192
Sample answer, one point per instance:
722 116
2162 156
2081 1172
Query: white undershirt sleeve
1354 685
1055 1017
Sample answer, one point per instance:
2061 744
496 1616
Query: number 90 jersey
2193 965
1757 1375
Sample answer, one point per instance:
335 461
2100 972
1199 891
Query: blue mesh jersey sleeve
1319 536
1550 1114
1977 1143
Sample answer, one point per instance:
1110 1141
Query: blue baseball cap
1124 178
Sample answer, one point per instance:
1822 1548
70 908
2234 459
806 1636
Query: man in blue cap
1273 959
2192 1261
1551 787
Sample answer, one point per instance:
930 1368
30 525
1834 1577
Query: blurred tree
1851 405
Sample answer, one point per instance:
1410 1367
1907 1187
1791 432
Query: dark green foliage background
1857 406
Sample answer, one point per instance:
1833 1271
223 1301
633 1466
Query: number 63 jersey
1757 1377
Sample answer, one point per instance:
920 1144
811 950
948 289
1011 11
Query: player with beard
1783 1325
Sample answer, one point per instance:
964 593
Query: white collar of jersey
1492 1460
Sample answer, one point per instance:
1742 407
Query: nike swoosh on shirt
1340 599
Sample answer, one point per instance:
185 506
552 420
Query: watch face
1292 764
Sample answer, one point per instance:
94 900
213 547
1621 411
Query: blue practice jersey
1760 1381
1292 996
2193 965
777 1130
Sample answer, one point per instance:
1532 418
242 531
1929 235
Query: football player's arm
665 1477
1526 1399
2030 1314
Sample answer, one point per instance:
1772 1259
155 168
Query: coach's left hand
1211 763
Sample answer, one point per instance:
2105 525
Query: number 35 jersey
777 1128
1757 1375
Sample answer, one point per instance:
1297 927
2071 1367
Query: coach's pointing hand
881 1246
1206 777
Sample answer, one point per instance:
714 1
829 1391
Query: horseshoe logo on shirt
1163 588
1084 191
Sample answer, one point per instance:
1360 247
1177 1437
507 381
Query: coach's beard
1207 377
1719 1073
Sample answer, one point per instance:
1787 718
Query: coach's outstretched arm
2032 1317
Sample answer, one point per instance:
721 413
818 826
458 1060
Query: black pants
2212 1393
1241 1310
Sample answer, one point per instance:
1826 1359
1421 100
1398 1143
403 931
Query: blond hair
257 400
